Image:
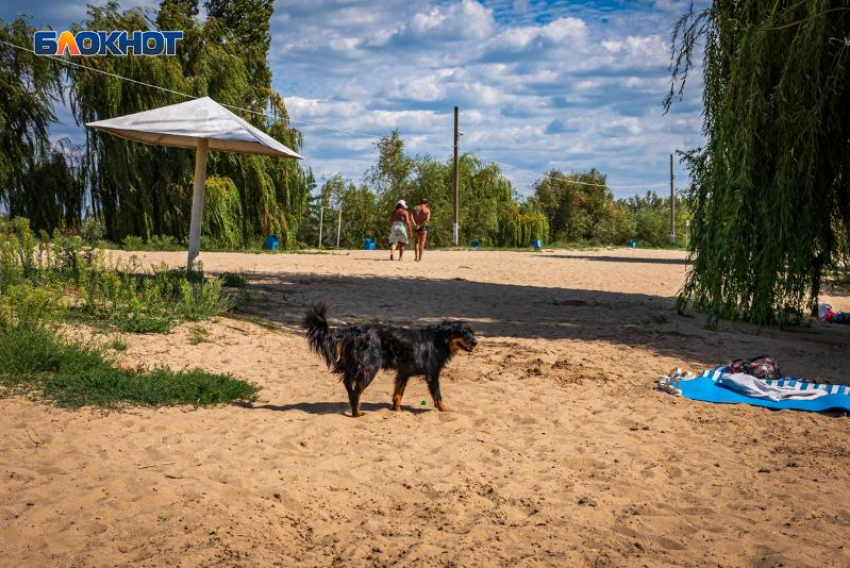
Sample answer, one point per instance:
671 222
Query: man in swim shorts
421 217
399 229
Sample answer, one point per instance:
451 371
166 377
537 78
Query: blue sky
540 84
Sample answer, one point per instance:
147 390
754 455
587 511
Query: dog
357 352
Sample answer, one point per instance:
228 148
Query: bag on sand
761 367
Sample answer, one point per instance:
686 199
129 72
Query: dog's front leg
434 388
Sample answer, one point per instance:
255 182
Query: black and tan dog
359 351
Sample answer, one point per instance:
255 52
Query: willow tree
521 223
771 186
146 190
575 204
29 87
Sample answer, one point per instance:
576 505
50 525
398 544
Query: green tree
52 191
29 86
361 217
575 203
771 186
390 177
146 190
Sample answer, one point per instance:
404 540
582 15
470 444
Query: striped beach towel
707 388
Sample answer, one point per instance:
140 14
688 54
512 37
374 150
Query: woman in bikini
399 229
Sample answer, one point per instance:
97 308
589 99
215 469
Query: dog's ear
445 330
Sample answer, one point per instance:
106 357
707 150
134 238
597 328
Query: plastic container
474 244
272 242
369 244
536 244
633 244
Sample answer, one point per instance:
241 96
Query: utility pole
456 226
339 227
672 204
321 222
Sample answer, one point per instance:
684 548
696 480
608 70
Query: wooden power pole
456 226
672 204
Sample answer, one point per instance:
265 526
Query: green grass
198 334
43 281
233 280
34 360
151 302
118 344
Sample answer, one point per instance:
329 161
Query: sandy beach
557 450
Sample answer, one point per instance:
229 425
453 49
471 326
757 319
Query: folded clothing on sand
754 387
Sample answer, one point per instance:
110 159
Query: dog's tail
320 337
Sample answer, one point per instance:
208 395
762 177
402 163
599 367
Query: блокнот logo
106 43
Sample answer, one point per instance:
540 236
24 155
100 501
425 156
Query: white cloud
565 28
467 19
539 86
572 92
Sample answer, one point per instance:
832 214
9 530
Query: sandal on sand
670 383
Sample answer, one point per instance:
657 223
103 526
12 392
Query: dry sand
557 451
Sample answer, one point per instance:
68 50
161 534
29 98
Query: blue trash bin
272 242
369 244
474 244
536 244
632 244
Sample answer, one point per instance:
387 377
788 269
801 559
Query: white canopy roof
184 124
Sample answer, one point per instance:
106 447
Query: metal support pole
672 204
197 202
339 227
321 223
456 226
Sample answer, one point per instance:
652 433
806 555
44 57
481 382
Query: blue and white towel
719 386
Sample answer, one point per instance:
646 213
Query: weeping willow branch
771 187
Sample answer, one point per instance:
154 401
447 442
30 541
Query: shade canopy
184 124
200 125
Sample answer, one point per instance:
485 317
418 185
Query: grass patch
198 334
126 297
118 344
151 302
44 280
38 362
233 280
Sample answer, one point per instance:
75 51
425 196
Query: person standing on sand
400 228
421 217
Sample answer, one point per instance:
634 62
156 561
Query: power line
63 61
59 59
637 186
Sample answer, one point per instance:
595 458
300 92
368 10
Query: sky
540 84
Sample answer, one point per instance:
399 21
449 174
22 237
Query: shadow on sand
622 259
321 408
632 320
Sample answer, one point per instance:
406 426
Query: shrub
233 280
152 302
28 306
129 298
132 242
92 230
163 243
